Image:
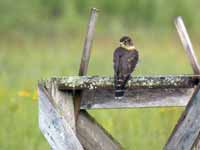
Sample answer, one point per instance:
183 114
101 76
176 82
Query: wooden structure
66 127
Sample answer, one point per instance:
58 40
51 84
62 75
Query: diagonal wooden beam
53 124
186 133
187 129
93 136
187 44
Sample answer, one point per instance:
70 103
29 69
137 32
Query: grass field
26 59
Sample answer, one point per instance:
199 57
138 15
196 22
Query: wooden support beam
142 82
187 129
85 56
88 42
196 69
135 98
187 44
54 126
57 121
148 91
93 136
63 101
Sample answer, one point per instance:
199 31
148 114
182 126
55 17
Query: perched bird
125 59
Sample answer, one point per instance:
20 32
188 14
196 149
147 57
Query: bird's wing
130 62
116 61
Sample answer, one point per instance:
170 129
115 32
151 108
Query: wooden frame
63 101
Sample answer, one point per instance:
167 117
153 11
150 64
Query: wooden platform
142 91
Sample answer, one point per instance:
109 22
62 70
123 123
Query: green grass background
38 42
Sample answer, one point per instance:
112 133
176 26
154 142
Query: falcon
125 59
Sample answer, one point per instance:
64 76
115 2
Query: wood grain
187 44
104 98
88 42
96 82
85 56
187 129
53 125
93 136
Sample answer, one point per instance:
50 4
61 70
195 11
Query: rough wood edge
187 128
136 98
63 102
187 44
93 136
53 125
88 42
95 82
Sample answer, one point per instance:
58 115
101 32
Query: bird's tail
120 87
119 94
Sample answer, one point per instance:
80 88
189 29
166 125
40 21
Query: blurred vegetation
37 33
62 15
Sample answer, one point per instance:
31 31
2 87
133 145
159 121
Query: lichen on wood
95 82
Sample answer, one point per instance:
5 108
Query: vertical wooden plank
187 129
85 56
187 44
54 127
88 42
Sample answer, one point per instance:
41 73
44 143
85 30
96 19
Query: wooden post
190 52
85 56
185 134
187 129
88 43
187 44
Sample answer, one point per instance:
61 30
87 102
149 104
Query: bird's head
127 43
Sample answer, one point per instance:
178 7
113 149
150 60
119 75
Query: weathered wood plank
187 129
63 102
197 143
85 56
93 136
187 44
88 42
54 126
95 82
148 91
104 98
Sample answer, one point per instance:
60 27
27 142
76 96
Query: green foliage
57 14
